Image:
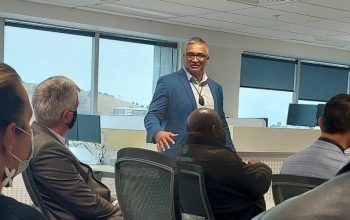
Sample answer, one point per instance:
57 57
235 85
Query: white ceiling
317 22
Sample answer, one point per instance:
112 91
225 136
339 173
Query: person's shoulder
173 75
214 83
12 209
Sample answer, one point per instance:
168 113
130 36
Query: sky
126 69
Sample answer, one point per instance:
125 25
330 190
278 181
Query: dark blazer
172 103
329 201
66 185
235 189
10 209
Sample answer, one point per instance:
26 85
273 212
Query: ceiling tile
68 3
241 19
128 12
271 33
311 10
336 4
320 22
218 5
329 41
204 22
268 13
346 20
331 25
303 29
342 37
153 5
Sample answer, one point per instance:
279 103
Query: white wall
225 48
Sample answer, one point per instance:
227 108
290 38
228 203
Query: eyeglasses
200 56
26 132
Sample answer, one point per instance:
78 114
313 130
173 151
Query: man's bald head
204 126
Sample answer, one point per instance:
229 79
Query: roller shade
267 73
320 82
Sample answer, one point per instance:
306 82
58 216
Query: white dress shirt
202 88
60 138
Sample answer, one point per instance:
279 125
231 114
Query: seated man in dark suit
329 201
67 186
235 188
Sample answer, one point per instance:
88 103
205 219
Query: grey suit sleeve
55 170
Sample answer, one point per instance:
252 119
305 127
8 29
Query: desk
102 171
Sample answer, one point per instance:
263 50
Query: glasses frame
199 56
24 131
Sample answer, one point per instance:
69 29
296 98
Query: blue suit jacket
172 103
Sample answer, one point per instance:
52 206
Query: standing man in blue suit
177 95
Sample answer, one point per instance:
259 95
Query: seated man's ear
320 122
66 116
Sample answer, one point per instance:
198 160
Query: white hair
52 96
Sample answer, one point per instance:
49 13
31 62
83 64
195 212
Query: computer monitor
302 115
89 128
72 134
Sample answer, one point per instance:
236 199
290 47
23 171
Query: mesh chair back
146 185
193 192
34 193
286 186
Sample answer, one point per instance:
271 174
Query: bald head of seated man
235 188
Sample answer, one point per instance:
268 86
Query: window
267 85
270 83
128 72
38 54
263 103
267 72
319 82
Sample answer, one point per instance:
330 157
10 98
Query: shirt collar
331 142
60 138
189 76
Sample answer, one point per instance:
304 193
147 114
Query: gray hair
196 40
52 96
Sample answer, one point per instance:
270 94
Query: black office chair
193 192
34 193
146 185
286 186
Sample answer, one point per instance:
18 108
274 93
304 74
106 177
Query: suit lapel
184 81
214 93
